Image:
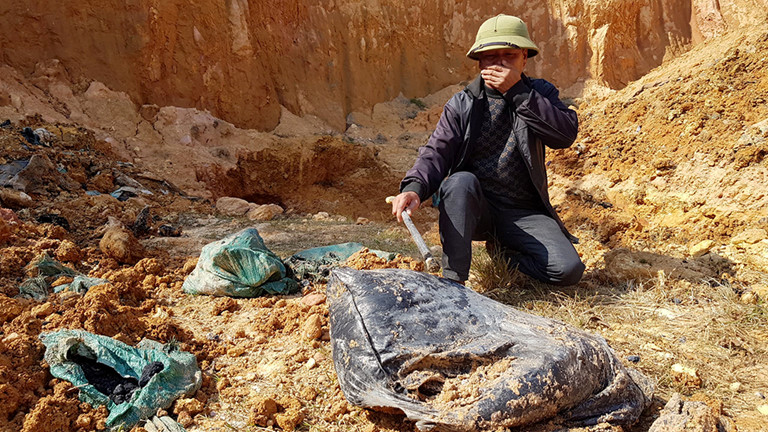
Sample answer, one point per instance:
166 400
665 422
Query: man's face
505 57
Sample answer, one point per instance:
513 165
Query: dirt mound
678 156
325 174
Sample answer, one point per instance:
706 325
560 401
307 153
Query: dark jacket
541 119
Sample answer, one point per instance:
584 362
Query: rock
150 266
9 308
149 112
749 236
236 351
292 125
264 212
126 181
9 222
62 280
184 419
5 231
103 182
701 248
291 413
685 416
84 421
362 221
735 387
757 256
312 328
624 264
41 176
68 252
225 304
231 206
9 216
43 310
748 297
262 410
309 393
761 291
321 216
190 265
120 244
763 409
192 406
313 299
15 199
686 376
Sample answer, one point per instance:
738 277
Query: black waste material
6 124
125 193
149 371
9 171
106 380
166 230
313 270
141 226
54 219
453 359
30 136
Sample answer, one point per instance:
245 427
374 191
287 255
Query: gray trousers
531 239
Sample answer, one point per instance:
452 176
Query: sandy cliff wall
242 59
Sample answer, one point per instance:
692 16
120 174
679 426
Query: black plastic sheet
452 359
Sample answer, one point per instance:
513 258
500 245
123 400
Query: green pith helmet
502 31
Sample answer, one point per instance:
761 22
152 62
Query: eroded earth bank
665 187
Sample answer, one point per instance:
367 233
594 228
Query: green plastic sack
180 376
239 265
81 284
44 265
47 271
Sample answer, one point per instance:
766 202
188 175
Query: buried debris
44 271
162 424
453 359
239 265
315 264
681 415
134 383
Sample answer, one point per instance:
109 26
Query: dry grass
491 275
699 324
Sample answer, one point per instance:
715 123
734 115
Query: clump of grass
419 103
493 276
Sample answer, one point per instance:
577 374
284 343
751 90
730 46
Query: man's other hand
406 201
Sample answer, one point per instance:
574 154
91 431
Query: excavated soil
671 162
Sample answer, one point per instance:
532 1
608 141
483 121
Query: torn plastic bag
44 265
80 284
35 288
132 382
453 359
47 271
239 265
9 171
315 264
